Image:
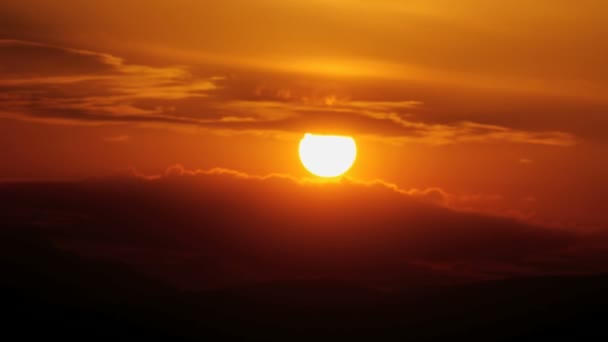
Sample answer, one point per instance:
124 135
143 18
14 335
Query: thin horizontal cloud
73 86
392 122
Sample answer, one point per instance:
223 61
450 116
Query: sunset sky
489 106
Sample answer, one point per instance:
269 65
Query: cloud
387 121
51 61
212 227
46 83
52 84
58 85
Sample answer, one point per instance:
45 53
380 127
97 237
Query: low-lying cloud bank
212 228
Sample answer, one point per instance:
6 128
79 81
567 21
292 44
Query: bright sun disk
327 155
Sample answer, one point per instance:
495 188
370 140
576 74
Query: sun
327 155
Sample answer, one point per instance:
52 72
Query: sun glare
327 155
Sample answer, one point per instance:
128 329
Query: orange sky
502 105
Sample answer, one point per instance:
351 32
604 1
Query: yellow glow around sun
327 155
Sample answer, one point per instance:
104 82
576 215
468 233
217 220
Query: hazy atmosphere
311 156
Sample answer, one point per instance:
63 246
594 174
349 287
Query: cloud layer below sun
210 228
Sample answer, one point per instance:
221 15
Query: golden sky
500 104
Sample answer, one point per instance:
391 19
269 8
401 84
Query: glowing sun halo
327 155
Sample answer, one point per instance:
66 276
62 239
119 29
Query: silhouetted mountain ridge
46 288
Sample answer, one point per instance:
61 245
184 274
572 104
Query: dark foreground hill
50 293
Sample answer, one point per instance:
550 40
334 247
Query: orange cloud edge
436 196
